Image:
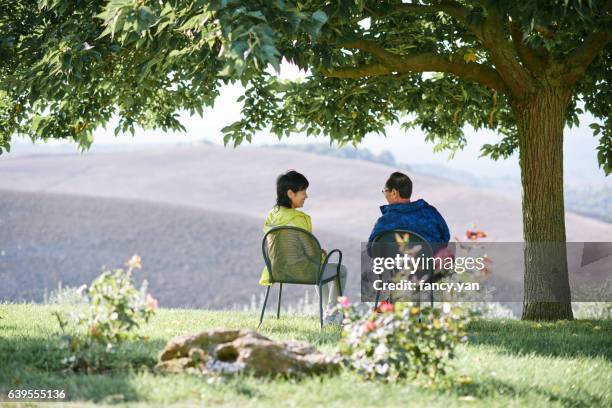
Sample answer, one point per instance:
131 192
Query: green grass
506 363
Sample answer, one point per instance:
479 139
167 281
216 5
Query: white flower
382 369
380 350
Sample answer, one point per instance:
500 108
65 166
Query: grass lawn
506 363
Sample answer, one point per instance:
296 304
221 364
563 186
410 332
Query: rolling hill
194 214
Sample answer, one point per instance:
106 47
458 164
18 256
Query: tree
524 69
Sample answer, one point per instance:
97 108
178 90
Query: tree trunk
540 120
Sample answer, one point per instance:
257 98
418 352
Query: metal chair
394 242
294 256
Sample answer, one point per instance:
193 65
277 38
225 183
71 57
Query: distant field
195 214
191 257
582 197
344 195
506 363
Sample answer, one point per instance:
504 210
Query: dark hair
291 180
401 183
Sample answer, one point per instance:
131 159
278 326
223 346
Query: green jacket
279 217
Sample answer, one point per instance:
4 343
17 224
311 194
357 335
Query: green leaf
36 122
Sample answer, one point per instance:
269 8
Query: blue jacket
417 216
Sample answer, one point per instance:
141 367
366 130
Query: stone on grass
232 351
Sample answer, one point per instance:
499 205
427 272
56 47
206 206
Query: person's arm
442 227
445 231
375 231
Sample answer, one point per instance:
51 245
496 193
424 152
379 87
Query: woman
290 195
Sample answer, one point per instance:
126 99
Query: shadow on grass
34 361
290 329
584 338
492 387
37 363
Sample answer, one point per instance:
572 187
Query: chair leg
263 309
376 300
321 305
420 318
339 283
280 292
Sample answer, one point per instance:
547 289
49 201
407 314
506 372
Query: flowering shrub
116 308
401 340
65 295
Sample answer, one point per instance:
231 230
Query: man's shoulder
432 209
424 206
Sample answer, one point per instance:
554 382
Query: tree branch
371 47
581 57
451 8
426 62
357 72
503 55
530 58
491 34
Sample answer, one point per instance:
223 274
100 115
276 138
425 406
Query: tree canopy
522 68
66 67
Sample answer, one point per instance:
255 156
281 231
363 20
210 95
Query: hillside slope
344 194
191 257
194 213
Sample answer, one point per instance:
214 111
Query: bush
593 310
402 340
116 309
65 295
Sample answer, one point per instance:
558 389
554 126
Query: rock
233 351
180 346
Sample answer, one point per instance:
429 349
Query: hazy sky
408 147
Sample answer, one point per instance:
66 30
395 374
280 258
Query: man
417 216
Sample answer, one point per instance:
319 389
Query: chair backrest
388 244
292 255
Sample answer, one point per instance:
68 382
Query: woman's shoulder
301 219
279 216
289 212
298 213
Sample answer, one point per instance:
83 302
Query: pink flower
151 302
344 302
445 257
444 253
385 307
369 326
475 234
